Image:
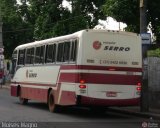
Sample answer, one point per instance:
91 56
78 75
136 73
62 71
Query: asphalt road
14 114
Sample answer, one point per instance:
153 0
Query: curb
5 86
140 114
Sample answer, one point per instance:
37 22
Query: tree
48 16
154 16
127 11
90 10
14 32
41 19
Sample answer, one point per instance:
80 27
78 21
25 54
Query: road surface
14 114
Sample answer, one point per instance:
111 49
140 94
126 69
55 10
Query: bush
154 53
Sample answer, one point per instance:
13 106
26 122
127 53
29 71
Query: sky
110 24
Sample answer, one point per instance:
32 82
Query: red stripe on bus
100 78
105 68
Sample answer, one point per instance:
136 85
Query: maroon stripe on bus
89 67
95 78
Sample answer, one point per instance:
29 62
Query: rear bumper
82 100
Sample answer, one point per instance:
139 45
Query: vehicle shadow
82 112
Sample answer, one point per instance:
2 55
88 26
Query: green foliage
126 11
154 53
154 16
52 19
41 19
14 29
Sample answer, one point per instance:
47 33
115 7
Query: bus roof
72 36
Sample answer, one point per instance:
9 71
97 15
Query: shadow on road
82 112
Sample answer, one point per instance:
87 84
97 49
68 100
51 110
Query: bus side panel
65 93
14 90
34 83
34 94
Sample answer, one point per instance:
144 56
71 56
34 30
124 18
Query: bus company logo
97 45
26 73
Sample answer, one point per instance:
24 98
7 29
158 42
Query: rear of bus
110 68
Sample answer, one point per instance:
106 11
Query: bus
93 68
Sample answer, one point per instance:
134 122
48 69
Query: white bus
95 68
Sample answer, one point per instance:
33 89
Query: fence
154 81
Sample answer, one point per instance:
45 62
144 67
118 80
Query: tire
51 104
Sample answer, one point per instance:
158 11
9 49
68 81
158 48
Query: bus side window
42 55
49 55
66 51
30 56
54 53
60 52
21 57
39 55
73 51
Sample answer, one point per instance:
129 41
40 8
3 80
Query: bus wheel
23 101
51 104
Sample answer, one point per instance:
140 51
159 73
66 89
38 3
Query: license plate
111 94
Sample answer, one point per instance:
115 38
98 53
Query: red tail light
138 88
82 81
82 86
139 84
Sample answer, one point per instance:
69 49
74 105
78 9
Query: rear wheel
51 103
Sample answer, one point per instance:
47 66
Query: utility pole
143 17
144 105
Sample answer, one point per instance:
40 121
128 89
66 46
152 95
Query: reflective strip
102 72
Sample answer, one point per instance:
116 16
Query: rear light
82 86
138 88
139 84
82 81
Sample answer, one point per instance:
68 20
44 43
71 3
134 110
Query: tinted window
30 56
50 53
73 51
21 57
66 51
39 55
60 52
